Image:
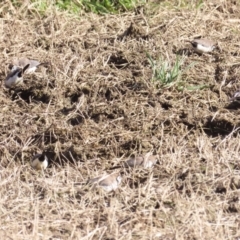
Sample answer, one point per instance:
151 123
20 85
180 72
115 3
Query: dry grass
96 105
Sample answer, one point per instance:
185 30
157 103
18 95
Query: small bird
236 97
146 161
202 45
108 182
21 62
39 161
15 76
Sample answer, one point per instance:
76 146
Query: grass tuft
165 73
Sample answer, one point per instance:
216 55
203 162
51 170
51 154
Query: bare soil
96 105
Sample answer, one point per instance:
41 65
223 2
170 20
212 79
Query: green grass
165 73
109 6
168 74
76 6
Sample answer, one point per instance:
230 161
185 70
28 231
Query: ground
95 105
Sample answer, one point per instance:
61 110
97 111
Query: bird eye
20 74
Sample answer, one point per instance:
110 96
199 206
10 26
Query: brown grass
96 106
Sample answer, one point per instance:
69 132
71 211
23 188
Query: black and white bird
202 45
146 161
15 76
22 62
39 161
107 182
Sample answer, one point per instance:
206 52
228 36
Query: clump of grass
164 72
167 74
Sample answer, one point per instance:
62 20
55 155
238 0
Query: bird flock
109 182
